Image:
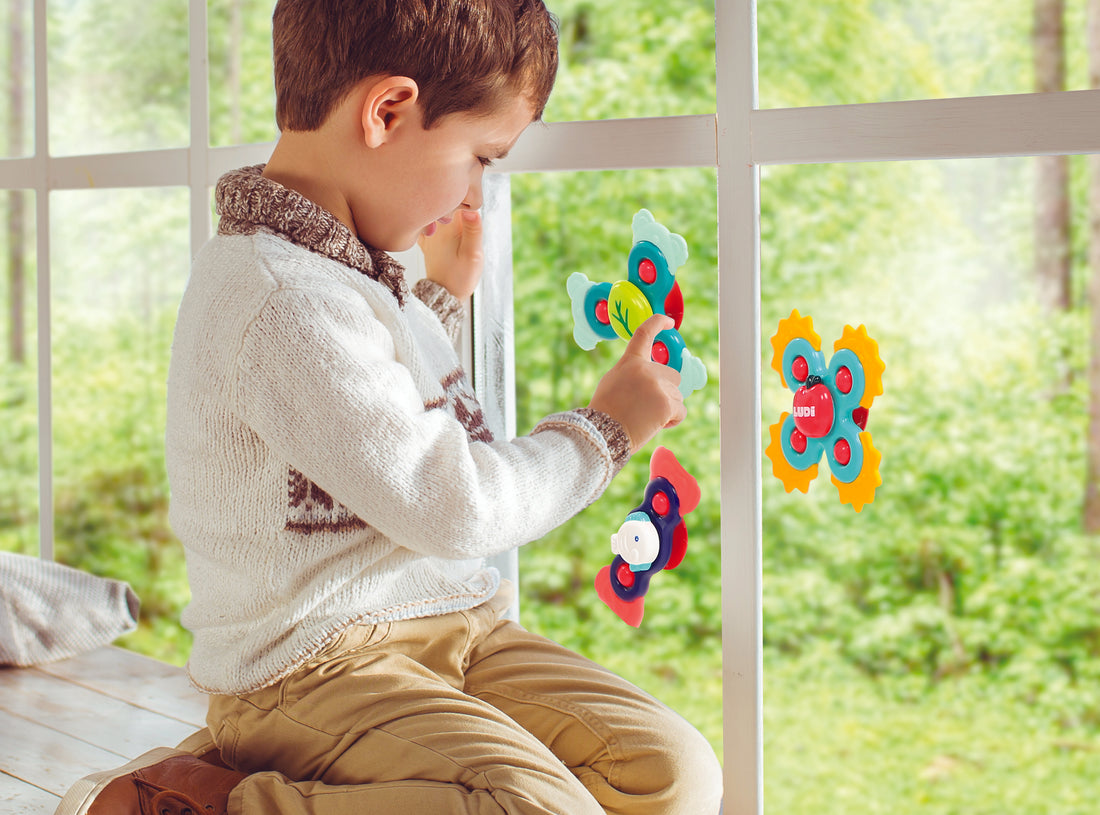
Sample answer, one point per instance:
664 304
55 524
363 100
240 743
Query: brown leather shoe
161 782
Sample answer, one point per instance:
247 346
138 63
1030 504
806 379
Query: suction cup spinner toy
831 405
604 311
652 538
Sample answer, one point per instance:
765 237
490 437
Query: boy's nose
473 199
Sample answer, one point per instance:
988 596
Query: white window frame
737 140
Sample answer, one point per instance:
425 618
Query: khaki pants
463 713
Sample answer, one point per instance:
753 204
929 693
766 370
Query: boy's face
424 176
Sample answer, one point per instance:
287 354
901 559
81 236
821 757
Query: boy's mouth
431 228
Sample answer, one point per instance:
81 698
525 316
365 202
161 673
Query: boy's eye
485 162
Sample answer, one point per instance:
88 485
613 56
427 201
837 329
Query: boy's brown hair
465 55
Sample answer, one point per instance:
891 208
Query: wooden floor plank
104 721
46 758
84 715
20 798
137 679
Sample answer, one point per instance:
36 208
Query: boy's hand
453 255
640 394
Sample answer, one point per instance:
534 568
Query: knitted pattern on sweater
329 462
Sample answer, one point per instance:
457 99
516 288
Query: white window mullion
18 173
493 336
42 238
739 396
1030 124
615 144
221 160
139 168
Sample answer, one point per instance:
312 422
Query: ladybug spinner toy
652 538
830 410
604 311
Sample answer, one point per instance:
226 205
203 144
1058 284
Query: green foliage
118 75
964 746
602 76
983 428
19 446
111 489
16 122
860 51
242 85
946 635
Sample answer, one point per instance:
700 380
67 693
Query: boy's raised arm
318 381
640 394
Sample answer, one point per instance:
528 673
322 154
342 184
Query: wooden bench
62 721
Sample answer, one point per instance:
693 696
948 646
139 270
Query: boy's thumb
470 238
471 221
641 343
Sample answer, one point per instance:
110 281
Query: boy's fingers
471 221
641 344
679 412
471 230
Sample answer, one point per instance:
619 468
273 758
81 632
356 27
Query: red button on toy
625 576
844 380
798 441
842 452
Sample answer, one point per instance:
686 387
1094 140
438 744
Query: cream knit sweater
328 461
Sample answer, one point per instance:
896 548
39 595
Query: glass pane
119 261
18 376
846 52
627 58
242 87
118 75
16 79
570 222
939 651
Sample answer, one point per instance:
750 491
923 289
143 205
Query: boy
334 484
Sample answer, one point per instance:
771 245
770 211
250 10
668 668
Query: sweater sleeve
446 306
319 381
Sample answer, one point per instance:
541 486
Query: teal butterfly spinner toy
606 311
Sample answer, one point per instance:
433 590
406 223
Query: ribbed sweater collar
247 202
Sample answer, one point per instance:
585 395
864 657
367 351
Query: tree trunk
1092 485
16 216
1052 210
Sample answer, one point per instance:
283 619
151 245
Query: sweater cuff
446 306
618 442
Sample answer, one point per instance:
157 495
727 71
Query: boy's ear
389 101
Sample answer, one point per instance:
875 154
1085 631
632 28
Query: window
822 116
110 160
900 640
567 222
975 130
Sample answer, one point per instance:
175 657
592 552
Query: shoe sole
80 797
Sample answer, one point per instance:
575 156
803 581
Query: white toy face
636 542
